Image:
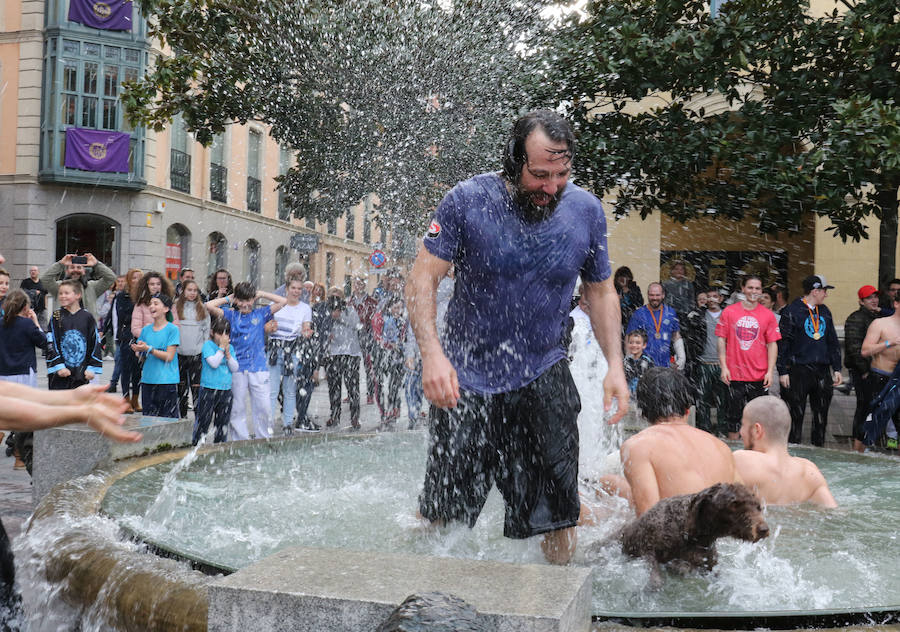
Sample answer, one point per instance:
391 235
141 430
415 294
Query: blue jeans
288 386
117 366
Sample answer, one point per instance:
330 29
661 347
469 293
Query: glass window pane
71 47
179 135
131 74
112 52
253 154
90 77
217 150
91 49
69 103
109 114
110 81
132 56
70 76
53 45
89 112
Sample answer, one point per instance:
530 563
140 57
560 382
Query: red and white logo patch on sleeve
434 229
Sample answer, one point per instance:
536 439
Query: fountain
240 506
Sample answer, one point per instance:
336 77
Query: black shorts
525 441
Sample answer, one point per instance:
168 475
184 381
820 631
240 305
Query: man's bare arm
439 380
873 343
606 322
641 477
821 494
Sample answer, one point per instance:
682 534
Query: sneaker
370 400
111 388
308 426
891 443
287 431
412 424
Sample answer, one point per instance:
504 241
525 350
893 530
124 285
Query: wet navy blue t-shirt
514 280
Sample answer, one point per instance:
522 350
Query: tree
402 98
814 124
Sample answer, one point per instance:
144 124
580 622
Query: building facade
173 203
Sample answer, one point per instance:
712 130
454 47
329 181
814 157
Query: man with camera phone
72 267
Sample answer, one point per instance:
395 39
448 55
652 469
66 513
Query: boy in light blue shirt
159 380
214 400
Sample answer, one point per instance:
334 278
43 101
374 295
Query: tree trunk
887 241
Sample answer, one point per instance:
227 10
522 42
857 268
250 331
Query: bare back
781 479
669 459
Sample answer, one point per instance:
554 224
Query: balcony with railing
218 183
254 194
180 171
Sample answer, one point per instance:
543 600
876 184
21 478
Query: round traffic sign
378 259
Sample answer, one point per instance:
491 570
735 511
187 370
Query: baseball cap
816 282
866 291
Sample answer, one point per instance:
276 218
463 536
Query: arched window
281 261
217 253
251 262
178 241
85 232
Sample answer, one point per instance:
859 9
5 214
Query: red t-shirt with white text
746 334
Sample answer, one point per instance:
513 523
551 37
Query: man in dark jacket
854 332
809 357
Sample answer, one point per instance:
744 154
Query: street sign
378 259
305 242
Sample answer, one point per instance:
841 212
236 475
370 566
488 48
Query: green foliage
402 98
812 124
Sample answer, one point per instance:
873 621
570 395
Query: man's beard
532 212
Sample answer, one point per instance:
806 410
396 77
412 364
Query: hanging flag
97 150
111 15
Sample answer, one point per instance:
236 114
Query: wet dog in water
684 529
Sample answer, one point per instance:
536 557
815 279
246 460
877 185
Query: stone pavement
15 485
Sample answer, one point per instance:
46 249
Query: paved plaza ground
15 485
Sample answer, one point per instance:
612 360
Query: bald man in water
778 477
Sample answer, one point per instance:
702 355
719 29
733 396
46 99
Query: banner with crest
111 15
97 150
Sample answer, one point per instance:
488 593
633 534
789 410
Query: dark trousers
343 368
305 388
160 400
131 372
864 395
813 382
739 393
188 380
213 406
711 391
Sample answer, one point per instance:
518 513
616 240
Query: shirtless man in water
670 457
764 464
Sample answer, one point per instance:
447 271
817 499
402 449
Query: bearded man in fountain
764 464
504 406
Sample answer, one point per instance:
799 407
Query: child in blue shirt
252 377
159 379
214 399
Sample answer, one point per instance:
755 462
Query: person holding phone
74 268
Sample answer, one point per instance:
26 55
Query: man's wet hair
552 124
639 333
664 392
245 291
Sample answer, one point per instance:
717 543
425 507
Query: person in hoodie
344 355
193 327
809 357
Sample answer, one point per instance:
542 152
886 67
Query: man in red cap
854 333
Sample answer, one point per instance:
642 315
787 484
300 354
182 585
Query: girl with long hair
20 335
130 370
194 329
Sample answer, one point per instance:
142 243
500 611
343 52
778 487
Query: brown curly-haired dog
685 528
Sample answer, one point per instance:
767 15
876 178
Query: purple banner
97 150
112 15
